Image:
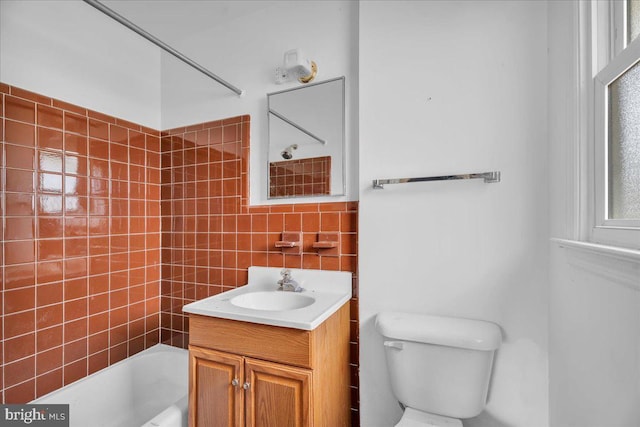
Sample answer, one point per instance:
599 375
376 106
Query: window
616 133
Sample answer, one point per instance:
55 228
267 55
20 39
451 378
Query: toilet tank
437 364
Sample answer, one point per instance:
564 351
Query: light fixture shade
296 66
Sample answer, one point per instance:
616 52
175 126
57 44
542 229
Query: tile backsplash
109 228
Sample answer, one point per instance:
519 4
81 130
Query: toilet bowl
439 367
414 418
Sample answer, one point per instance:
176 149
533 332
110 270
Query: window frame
610 57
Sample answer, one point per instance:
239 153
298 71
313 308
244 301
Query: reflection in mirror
306 140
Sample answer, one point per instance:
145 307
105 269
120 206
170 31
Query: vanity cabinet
248 374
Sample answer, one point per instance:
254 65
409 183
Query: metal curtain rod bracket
162 45
489 177
297 126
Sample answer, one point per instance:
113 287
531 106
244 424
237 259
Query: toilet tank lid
440 330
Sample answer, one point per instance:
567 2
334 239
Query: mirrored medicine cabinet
306 140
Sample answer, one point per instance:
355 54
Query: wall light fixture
296 66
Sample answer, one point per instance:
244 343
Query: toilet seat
415 418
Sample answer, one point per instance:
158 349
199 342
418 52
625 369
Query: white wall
594 308
69 51
455 87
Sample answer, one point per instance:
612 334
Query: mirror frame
343 188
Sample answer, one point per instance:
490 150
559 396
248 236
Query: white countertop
330 289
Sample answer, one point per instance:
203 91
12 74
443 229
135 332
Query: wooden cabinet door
216 395
277 395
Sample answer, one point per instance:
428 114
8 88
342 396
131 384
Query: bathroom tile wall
80 246
210 236
97 210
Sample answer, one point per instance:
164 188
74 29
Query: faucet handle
285 273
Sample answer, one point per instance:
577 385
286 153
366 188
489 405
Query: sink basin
272 300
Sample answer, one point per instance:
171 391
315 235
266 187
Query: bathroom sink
272 300
259 301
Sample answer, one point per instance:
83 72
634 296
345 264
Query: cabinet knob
235 382
246 386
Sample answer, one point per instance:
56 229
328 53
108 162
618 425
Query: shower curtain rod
133 27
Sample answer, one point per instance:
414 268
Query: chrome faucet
287 283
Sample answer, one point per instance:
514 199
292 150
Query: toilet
439 367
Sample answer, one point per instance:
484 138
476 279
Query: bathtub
149 389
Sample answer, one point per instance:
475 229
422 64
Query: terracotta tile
75 288
348 244
98 187
98 226
335 206
75 123
99 264
127 124
20 228
98 342
50 161
49 183
75 268
48 316
74 205
311 261
329 221
49 205
349 263
75 226
19 157
48 382
49 356
75 370
19 324
98 361
98 149
118 335
75 330
50 293
18 348
18 180
76 247
98 168
119 317
119 153
118 353
49 117
51 249
75 309
50 271
19 252
98 322
19 133
100 116
50 139
18 276
98 129
306 207
118 298
76 164
20 204
25 94
119 171
330 263
19 109
98 303
19 371
20 393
